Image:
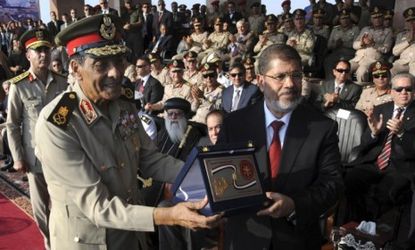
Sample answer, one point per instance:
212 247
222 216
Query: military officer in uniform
405 46
92 144
191 73
340 42
379 92
371 45
319 28
302 39
270 35
178 88
29 92
288 25
158 71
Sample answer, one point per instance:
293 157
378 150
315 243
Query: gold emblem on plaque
220 185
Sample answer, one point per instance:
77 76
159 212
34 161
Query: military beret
318 13
409 14
376 12
176 65
35 38
271 19
209 68
299 13
190 56
152 57
379 67
285 2
344 13
177 103
98 35
213 58
287 17
389 14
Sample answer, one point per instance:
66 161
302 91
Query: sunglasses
341 71
236 74
376 76
399 89
140 66
212 75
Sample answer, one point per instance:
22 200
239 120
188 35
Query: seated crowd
190 69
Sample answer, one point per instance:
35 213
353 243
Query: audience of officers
215 68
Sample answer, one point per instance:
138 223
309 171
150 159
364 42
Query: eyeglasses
175 113
341 71
295 76
236 74
376 76
399 89
212 75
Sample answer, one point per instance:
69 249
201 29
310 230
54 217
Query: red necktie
383 159
140 86
275 149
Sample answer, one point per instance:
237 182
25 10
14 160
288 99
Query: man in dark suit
54 26
105 9
299 165
232 17
340 92
387 153
164 16
148 88
163 45
147 26
241 93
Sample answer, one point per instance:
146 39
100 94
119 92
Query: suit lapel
243 98
296 134
228 100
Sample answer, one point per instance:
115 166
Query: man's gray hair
403 75
277 51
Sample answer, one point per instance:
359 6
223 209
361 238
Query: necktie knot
399 112
276 125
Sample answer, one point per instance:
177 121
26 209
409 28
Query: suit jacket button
76 239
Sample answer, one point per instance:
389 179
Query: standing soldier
405 46
29 92
302 39
371 45
319 28
340 42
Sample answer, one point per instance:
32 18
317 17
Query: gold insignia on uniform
72 96
146 182
128 93
108 50
88 111
205 149
410 12
107 29
60 117
19 77
378 65
250 144
145 119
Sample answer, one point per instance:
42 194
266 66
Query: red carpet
18 231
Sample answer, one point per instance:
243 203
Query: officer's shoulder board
19 78
127 92
369 86
145 119
63 110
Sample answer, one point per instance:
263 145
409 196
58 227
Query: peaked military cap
285 2
196 6
177 103
190 56
152 57
98 35
344 13
209 68
35 38
213 58
409 14
318 13
379 67
271 19
176 64
249 62
376 12
299 13
182 6
287 17
388 14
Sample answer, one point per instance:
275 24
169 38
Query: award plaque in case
228 177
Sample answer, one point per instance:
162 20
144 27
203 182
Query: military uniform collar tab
88 111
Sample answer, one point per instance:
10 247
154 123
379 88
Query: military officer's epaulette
127 92
145 119
63 110
20 77
369 86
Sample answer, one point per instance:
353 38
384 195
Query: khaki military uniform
90 161
219 40
323 31
27 96
170 91
370 98
405 49
346 51
272 38
366 56
211 100
194 78
256 23
163 76
199 39
305 45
